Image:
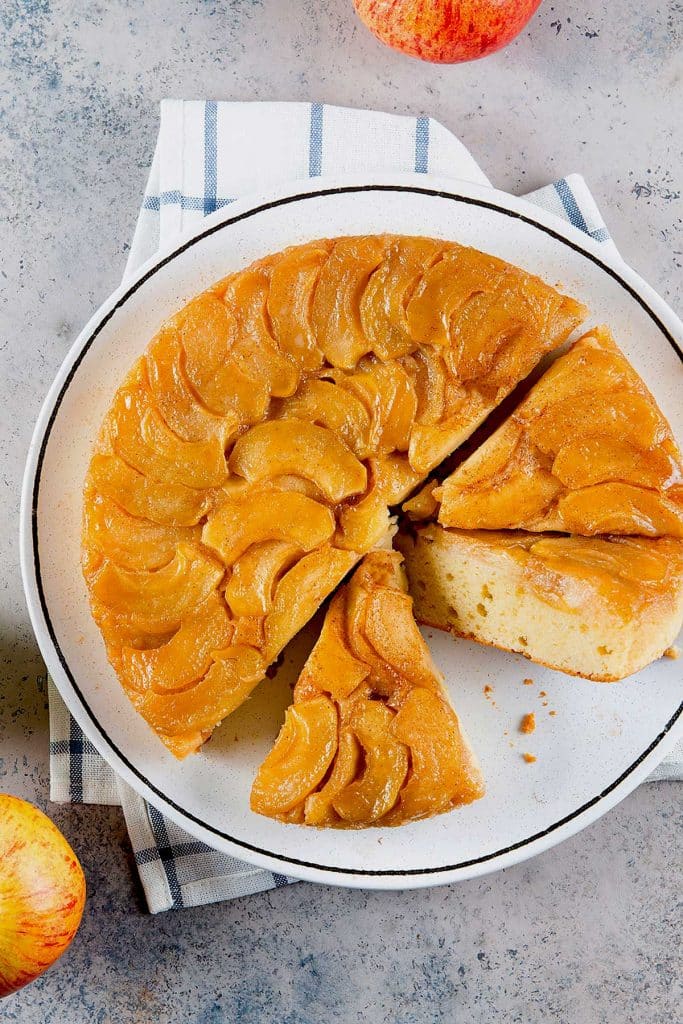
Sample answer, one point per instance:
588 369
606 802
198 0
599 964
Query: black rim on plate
187 815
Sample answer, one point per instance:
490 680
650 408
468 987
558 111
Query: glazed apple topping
371 738
252 455
586 452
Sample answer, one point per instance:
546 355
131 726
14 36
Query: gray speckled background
587 932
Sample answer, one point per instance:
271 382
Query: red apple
446 31
42 893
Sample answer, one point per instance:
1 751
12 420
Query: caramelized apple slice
520 351
207 333
126 540
227 684
324 403
318 807
157 602
330 666
364 525
299 760
301 591
188 654
593 460
139 435
169 504
383 305
387 392
267 514
292 286
391 630
629 560
620 508
296 447
444 290
175 399
429 375
336 305
626 415
517 499
371 796
504 321
393 477
255 574
444 773
254 348
593 366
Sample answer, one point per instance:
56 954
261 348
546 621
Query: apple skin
446 31
42 893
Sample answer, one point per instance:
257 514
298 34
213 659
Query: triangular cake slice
586 452
596 607
371 738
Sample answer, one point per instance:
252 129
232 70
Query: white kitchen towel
208 154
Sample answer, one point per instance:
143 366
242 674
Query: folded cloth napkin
207 155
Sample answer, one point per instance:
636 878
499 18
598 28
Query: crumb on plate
528 723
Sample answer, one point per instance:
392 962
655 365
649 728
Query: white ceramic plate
603 739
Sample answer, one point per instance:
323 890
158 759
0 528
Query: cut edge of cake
577 615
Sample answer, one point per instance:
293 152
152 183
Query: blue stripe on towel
571 208
315 144
421 145
210 156
165 851
176 198
75 762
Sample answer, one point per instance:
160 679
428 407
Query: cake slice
586 452
602 608
371 738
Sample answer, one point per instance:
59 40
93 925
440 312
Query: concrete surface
588 932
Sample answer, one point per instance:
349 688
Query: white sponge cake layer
598 608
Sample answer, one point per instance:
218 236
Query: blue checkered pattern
208 154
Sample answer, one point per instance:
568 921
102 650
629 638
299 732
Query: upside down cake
252 454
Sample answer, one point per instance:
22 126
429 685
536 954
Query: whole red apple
446 31
42 893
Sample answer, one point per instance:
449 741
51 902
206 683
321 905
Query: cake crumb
529 758
544 703
542 693
552 713
488 690
673 652
528 682
528 723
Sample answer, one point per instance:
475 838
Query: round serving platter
603 739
